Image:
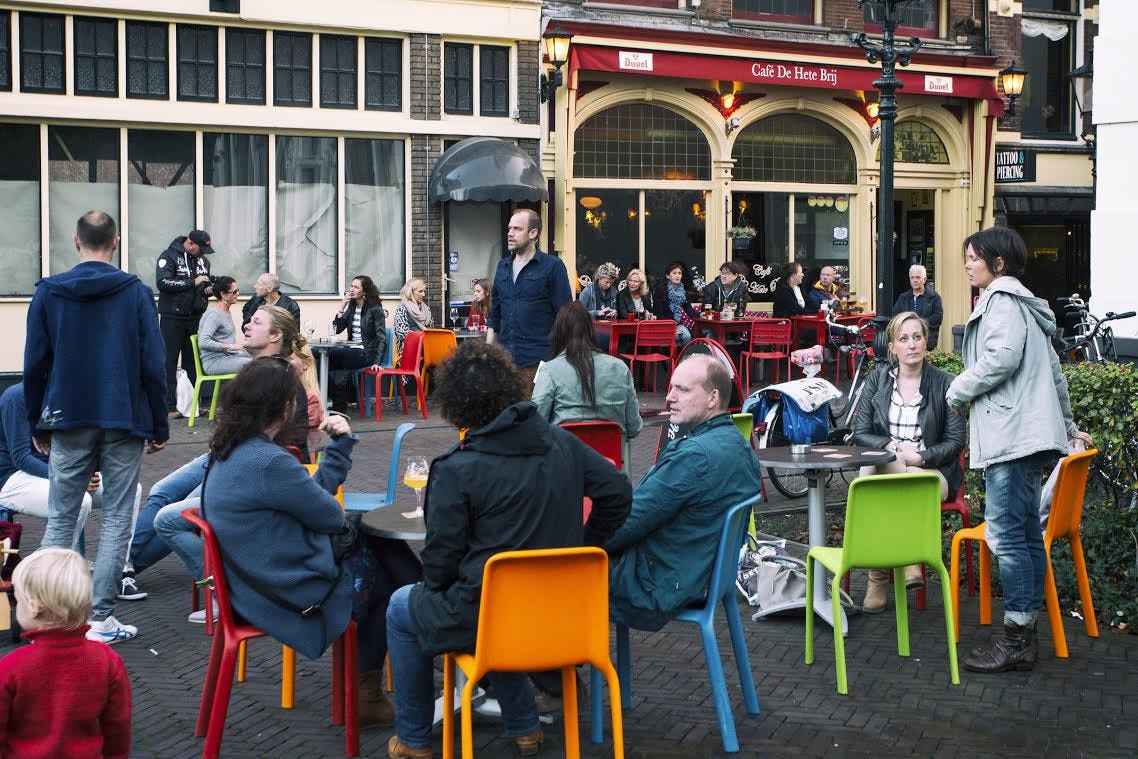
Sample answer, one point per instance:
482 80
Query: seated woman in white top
217 337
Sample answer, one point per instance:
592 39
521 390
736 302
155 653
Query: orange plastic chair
606 438
540 610
770 340
223 658
1063 522
654 335
960 506
438 344
410 365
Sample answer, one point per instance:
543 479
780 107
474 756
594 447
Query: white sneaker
110 631
198 617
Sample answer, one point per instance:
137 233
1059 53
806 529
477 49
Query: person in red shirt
63 695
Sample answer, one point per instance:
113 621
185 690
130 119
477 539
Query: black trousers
176 332
390 565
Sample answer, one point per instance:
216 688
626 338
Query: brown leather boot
876 591
375 709
396 750
530 745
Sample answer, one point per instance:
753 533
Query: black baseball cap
201 238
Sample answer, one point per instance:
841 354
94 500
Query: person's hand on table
336 425
376 367
96 480
154 446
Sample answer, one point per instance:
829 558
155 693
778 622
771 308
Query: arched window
790 147
916 142
640 141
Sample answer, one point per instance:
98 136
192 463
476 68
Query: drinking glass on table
309 329
454 317
415 477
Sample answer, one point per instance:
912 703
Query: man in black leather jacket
184 287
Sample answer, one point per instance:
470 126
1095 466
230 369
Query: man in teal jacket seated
661 557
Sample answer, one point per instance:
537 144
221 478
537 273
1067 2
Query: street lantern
555 43
886 13
1081 82
1011 79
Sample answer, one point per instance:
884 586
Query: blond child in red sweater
63 695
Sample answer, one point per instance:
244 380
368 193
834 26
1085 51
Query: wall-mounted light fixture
555 42
727 94
872 108
1012 79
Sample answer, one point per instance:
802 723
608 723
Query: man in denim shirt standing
530 287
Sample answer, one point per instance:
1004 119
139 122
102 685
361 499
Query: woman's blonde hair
308 376
411 284
55 586
282 321
893 330
643 282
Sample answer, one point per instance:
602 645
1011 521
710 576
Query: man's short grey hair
271 281
919 268
716 377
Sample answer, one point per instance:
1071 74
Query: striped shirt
904 418
354 334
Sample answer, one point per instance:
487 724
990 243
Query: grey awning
486 169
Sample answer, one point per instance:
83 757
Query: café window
20 209
159 193
197 62
337 71
292 69
1047 56
146 54
83 173
5 51
245 66
96 57
916 142
374 210
640 141
41 53
790 147
920 18
786 11
383 74
458 78
235 200
306 217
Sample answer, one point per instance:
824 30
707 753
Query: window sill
747 23
631 8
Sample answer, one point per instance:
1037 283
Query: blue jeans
412 669
147 548
75 454
178 535
1013 534
683 335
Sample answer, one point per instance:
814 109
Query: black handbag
347 541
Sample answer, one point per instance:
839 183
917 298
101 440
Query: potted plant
740 237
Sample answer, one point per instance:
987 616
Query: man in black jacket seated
514 483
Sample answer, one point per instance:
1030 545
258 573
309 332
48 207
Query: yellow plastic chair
892 521
540 610
1063 522
203 378
745 423
438 344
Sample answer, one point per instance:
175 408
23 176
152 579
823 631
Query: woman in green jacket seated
582 382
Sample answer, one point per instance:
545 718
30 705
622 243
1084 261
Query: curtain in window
306 213
19 209
160 195
1052 30
374 217
236 204
83 170
475 233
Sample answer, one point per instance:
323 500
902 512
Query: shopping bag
185 397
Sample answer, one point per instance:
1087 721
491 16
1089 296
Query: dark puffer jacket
174 273
515 484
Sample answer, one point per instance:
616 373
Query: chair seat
364 501
645 357
763 354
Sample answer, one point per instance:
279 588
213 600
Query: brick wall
1006 43
527 82
426 220
426 76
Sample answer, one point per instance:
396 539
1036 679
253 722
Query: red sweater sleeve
115 718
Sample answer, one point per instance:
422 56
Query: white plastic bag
185 397
1074 446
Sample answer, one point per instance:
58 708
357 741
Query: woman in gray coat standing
1019 421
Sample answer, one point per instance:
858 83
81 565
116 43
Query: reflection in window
920 15
763 255
306 213
790 147
292 68
674 230
915 142
494 80
458 78
235 199
96 57
821 233
383 74
20 209
245 66
640 141
1046 101
160 194
83 174
374 217
608 229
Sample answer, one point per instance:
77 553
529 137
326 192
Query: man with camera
184 286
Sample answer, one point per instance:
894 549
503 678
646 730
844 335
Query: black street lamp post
885 14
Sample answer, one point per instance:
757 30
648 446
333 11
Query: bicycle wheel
1107 348
790 482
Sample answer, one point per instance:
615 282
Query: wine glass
309 329
415 477
453 317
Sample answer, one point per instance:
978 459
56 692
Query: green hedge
1104 402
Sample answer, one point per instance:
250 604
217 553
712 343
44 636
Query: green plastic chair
201 378
745 423
892 521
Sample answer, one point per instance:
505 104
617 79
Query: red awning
772 70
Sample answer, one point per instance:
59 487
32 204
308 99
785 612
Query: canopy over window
480 169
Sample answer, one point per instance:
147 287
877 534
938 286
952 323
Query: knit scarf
419 314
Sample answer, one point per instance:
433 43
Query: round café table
822 459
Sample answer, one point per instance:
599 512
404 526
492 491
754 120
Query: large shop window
786 11
763 255
160 194
383 74
790 147
83 174
96 57
640 141
374 215
146 52
245 66
674 230
292 69
337 71
235 199
1047 56
916 142
5 51
306 213
197 63
41 53
608 229
20 209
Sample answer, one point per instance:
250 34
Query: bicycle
1092 342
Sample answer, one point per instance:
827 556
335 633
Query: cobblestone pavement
1082 706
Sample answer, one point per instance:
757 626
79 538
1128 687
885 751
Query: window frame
149 26
340 43
6 50
243 65
96 56
1074 119
454 80
201 33
377 46
776 18
932 32
43 54
291 69
494 83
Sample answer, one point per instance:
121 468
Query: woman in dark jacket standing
903 410
363 317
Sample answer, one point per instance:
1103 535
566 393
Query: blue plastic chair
722 590
387 361
369 501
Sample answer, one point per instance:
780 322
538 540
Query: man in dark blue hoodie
95 388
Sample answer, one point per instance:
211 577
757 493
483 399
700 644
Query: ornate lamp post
890 54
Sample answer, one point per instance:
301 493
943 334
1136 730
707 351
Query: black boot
1016 648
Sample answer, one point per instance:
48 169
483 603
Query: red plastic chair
223 655
770 339
606 438
957 504
410 365
650 335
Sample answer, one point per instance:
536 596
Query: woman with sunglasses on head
221 351
274 524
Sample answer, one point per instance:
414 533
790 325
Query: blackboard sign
1015 165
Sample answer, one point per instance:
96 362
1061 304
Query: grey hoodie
1018 393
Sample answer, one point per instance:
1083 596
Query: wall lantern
1012 79
1081 81
727 95
555 42
872 108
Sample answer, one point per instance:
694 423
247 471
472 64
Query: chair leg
1085 599
954 585
949 621
985 583
569 712
901 602
242 649
403 396
742 658
387 668
220 706
617 714
468 718
624 666
810 568
209 687
596 717
921 590
194 403
839 639
448 706
1054 614
966 522
288 677
213 402
422 393
378 403
719 688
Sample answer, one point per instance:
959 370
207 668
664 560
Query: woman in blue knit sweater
274 524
